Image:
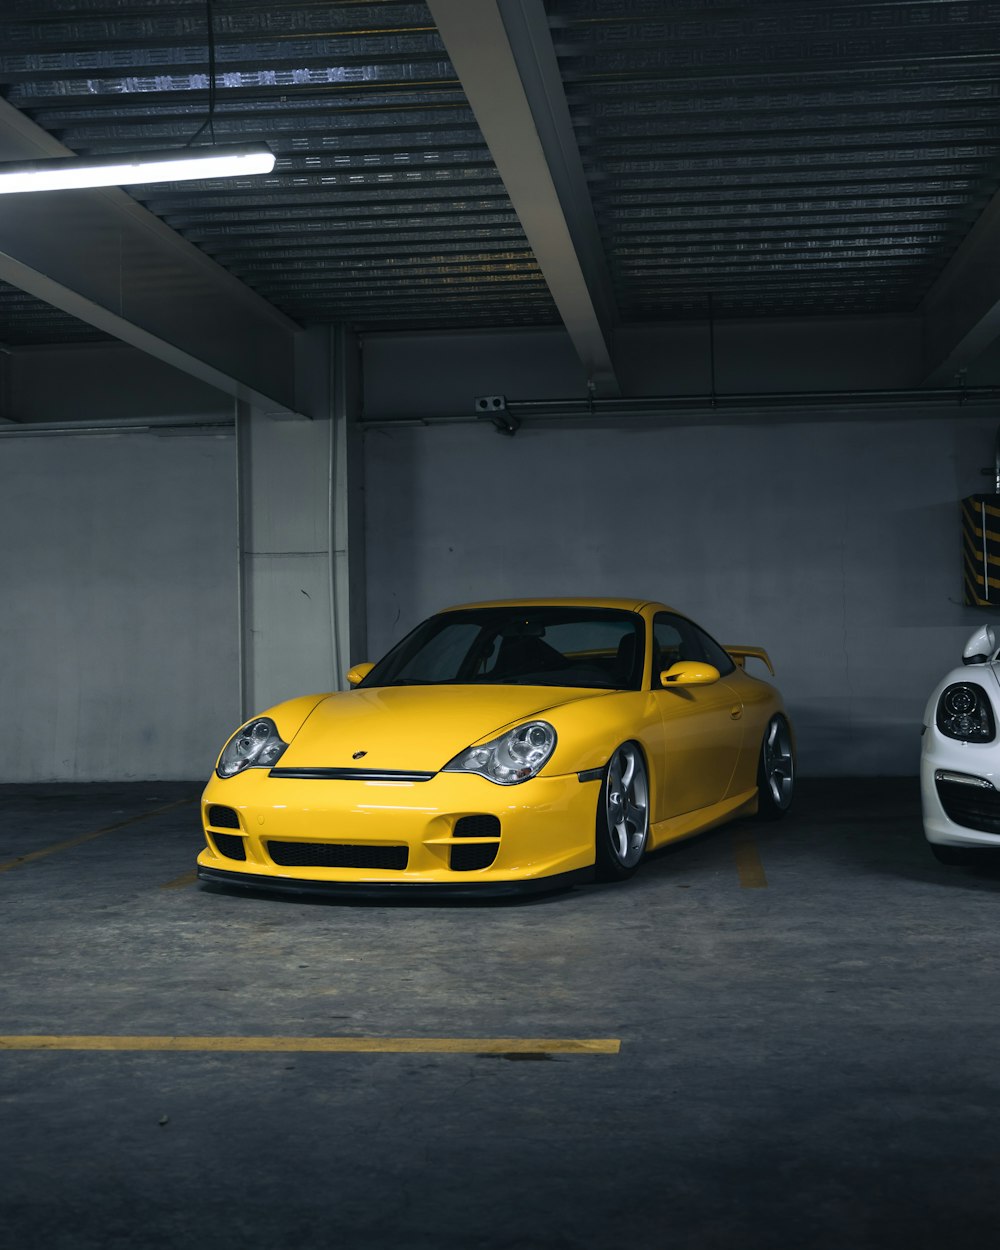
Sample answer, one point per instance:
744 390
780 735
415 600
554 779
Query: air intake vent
971 806
223 817
230 845
477 827
475 855
478 854
337 855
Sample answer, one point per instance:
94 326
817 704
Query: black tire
953 856
622 815
775 770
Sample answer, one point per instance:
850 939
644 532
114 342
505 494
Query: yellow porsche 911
501 747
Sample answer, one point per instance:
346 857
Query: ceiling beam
104 259
961 311
502 52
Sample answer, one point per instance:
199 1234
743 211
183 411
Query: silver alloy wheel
779 763
627 805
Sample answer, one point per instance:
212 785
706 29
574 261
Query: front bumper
362 836
960 792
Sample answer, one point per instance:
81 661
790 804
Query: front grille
337 855
223 817
475 855
971 806
230 845
477 827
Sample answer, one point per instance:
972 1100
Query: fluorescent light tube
74 172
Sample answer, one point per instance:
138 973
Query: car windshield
600 648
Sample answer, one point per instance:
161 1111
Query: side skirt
690 823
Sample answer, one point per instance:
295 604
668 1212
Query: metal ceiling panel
384 209
759 159
781 158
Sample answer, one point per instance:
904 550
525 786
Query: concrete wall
118 606
833 544
289 645
302 533
131 561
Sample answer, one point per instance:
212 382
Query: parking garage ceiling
474 163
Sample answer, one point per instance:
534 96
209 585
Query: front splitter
401 890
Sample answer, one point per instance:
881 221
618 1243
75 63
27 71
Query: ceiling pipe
751 402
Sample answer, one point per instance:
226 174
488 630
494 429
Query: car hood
417 728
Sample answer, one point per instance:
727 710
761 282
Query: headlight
513 757
964 712
256 745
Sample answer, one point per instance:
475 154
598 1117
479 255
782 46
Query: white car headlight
964 713
256 745
515 756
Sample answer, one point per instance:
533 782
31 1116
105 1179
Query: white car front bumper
960 791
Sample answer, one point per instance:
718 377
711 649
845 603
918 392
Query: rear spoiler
742 654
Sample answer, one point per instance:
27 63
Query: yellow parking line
178 883
87 837
748 863
335 1045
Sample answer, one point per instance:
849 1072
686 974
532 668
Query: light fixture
72 172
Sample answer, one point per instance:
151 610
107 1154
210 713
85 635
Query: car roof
622 605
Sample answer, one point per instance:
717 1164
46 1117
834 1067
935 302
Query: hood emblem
359 755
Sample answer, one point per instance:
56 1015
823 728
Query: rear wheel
776 771
622 815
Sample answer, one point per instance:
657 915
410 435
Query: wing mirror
981 647
690 673
358 673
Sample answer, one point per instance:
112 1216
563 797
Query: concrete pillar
300 547
349 565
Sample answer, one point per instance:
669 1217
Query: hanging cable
209 122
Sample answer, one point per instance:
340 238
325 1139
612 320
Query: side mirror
690 673
358 673
981 647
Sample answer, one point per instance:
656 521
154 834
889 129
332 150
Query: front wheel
775 771
622 815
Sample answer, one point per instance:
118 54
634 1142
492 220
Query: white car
960 759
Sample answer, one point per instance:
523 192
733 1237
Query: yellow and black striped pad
981 550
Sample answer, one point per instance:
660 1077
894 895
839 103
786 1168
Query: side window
715 654
667 645
675 638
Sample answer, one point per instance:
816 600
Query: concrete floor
808 1057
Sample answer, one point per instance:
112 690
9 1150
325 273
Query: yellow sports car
501 747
